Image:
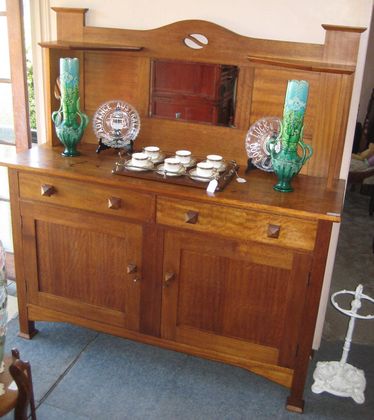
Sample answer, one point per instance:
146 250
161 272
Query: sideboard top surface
311 198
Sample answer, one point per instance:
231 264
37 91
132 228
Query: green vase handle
307 151
83 117
57 116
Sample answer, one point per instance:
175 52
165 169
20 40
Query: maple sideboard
235 276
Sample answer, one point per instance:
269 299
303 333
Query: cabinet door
83 265
237 298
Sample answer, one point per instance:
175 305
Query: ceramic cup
140 160
184 156
172 165
215 160
204 169
153 152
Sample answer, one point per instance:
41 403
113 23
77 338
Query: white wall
289 20
294 20
368 80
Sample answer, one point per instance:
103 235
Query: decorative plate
256 140
116 123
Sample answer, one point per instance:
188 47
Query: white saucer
161 171
159 159
131 167
193 175
222 168
190 164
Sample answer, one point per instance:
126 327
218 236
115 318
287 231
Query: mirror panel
194 92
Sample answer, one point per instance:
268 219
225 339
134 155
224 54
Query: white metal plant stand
341 378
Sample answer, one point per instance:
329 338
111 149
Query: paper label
211 188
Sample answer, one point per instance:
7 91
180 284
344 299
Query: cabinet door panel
254 306
81 269
223 297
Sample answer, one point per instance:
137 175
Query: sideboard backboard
117 63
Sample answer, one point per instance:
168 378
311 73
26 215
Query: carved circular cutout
196 41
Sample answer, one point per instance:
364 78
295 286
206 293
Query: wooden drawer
237 223
86 196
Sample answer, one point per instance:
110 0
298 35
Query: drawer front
86 196
237 223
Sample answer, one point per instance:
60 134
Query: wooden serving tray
223 178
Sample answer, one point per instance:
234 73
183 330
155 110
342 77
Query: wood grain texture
236 223
311 199
300 275
153 245
75 194
77 265
261 85
280 375
70 23
26 325
309 315
228 303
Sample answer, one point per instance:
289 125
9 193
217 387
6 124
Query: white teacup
204 169
215 160
140 159
152 151
184 156
172 165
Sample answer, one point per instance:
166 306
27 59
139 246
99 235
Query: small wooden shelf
88 46
317 66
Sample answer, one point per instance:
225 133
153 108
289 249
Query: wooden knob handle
131 268
114 203
273 231
191 217
47 190
169 277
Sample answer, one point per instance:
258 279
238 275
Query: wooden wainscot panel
327 140
111 76
269 91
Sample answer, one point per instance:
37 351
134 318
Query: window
14 109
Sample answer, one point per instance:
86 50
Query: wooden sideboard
240 281
241 284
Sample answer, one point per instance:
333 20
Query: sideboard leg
295 401
27 329
296 405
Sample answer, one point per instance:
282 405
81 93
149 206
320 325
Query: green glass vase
284 151
69 121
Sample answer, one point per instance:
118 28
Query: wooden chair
21 399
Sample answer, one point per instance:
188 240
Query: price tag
211 188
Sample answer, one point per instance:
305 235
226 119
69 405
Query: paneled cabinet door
83 265
241 299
